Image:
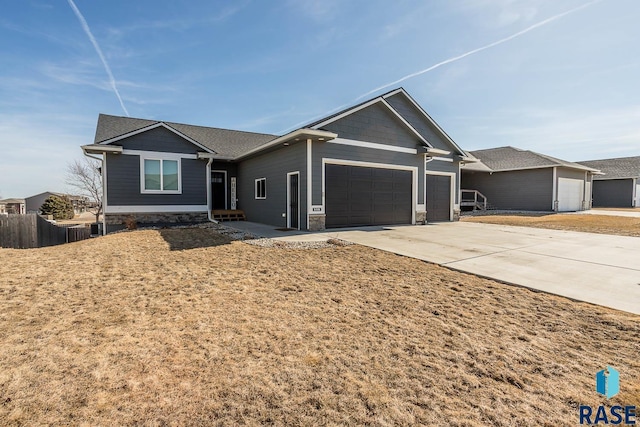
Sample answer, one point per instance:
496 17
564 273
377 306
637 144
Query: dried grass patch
602 224
128 329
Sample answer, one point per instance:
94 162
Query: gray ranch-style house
384 161
514 179
619 187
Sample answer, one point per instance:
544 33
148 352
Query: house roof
381 98
51 193
508 158
622 167
234 144
12 200
223 142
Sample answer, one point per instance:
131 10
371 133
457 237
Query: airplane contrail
480 49
456 58
87 30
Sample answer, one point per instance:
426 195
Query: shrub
58 206
131 223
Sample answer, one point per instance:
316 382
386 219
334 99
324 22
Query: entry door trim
452 189
413 169
225 187
289 175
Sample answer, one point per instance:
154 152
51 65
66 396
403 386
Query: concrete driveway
597 268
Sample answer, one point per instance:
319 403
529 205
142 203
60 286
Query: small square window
261 188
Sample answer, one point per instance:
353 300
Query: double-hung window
261 188
160 176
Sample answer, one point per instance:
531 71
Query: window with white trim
160 176
261 188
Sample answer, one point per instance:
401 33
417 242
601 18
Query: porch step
229 215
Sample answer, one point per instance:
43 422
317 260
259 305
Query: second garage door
438 197
358 196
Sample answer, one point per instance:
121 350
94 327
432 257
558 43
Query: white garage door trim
637 204
570 194
414 179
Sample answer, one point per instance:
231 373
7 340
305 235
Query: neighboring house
384 161
33 203
12 206
620 184
512 178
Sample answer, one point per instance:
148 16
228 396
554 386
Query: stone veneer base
157 218
316 222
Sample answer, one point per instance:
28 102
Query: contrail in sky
87 30
480 49
464 55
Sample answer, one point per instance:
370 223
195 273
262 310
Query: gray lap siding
159 139
375 124
273 166
523 189
123 183
416 118
570 173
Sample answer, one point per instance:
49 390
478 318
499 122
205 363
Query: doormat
286 229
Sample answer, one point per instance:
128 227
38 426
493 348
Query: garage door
438 197
570 194
357 196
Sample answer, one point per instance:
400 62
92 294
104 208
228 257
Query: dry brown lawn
183 327
603 224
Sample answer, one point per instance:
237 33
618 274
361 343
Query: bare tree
85 176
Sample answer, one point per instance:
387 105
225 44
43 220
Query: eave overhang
293 137
101 149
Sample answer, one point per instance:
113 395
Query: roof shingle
510 158
622 167
224 142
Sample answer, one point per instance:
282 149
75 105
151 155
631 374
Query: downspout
209 206
104 194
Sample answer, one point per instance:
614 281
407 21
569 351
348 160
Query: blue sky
564 84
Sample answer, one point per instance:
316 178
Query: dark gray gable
375 123
416 118
159 139
225 143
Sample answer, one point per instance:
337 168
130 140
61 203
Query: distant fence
33 231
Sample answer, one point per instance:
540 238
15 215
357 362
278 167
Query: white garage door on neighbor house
570 193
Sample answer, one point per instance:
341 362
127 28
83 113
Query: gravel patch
287 244
247 237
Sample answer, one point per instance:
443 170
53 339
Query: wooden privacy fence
33 231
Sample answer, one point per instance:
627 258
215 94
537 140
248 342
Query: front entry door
219 189
293 200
